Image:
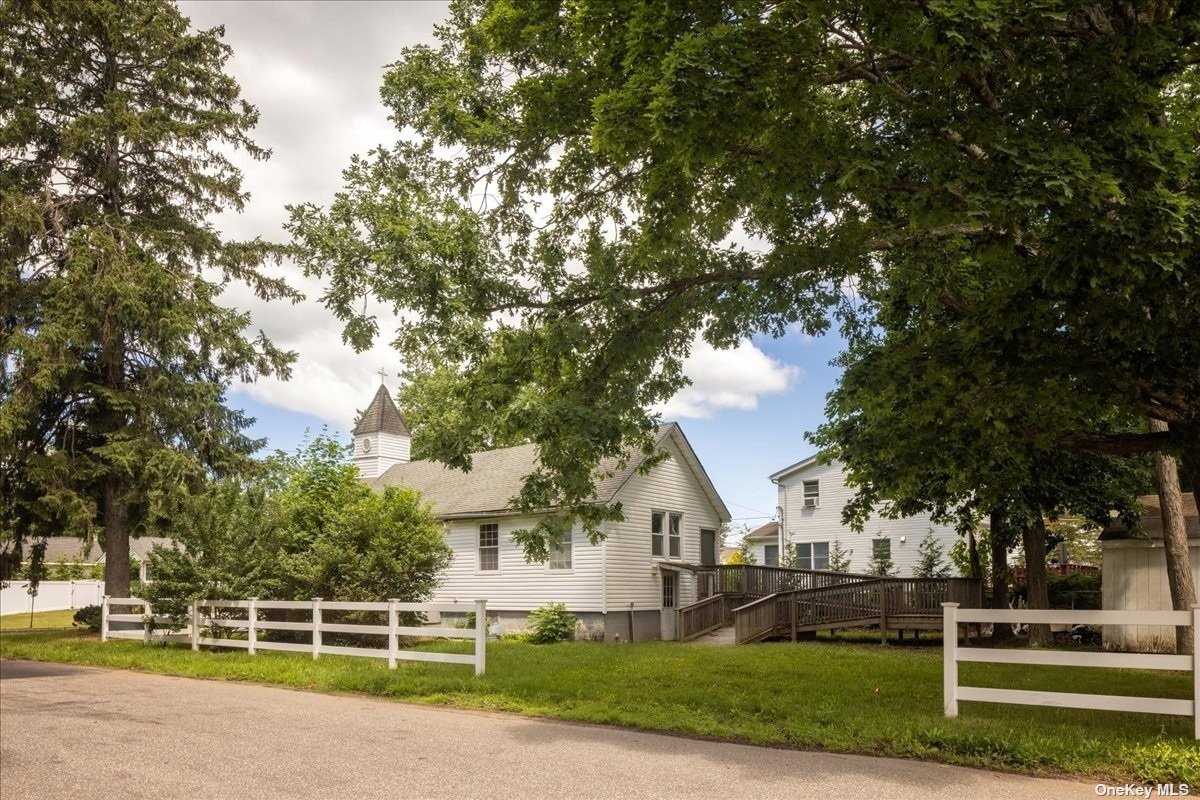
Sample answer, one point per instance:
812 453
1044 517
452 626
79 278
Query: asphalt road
73 732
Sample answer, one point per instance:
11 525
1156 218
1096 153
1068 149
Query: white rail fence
953 655
206 617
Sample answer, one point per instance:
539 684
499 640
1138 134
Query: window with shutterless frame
489 547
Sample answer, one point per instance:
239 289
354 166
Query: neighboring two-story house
811 498
627 586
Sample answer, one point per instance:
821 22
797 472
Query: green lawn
838 696
41 619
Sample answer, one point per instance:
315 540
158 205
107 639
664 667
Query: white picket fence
51 596
953 616
204 617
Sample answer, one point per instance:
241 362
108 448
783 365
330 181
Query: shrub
551 623
88 617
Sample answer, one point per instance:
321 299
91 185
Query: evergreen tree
930 563
115 121
839 557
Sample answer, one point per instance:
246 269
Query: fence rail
704 616
952 655
204 617
751 580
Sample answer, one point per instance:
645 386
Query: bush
88 617
551 623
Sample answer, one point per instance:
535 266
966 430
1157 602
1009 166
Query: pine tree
930 563
114 124
839 557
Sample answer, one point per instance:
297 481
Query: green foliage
744 554
305 526
1004 194
1077 590
551 623
115 142
839 557
88 617
960 558
930 562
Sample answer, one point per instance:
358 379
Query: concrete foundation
591 626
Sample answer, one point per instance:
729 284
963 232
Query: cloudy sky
314 71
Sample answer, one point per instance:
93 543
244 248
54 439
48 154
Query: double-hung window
489 547
812 494
771 555
673 545
562 551
812 555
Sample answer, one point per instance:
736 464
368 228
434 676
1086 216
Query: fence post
147 622
195 624
252 629
950 658
104 618
392 625
480 636
316 622
1196 669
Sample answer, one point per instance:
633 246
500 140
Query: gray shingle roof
1149 525
68 548
381 416
496 477
767 531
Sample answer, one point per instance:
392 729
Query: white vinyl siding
1135 579
671 487
824 522
518 585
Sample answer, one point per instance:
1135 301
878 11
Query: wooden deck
777 602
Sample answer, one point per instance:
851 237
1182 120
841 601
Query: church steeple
381 438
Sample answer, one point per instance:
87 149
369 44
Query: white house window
656 533
489 547
771 555
673 535
560 553
812 555
812 494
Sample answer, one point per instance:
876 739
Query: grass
846 697
41 620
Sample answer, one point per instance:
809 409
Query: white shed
1135 574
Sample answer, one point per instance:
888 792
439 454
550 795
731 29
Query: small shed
1135 574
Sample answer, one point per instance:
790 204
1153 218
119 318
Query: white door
670 593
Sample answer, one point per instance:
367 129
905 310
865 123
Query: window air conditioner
810 502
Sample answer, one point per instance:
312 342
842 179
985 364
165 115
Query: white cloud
728 379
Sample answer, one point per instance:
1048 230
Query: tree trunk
1175 543
973 556
1034 537
999 574
116 539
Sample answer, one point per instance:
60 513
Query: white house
763 543
811 498
1135 574
627 586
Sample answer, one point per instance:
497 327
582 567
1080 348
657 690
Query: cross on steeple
382 375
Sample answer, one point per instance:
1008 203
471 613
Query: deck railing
704 616
751 580
868 600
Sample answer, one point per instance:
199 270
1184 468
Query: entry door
670 593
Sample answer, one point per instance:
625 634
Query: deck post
252 626
950 658
104 618
795 605
316 625
883 604
393 647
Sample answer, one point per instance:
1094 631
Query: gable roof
797 467
768 531
381 416
1150 524
64 549
496 477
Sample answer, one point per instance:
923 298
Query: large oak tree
581 189
116 122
